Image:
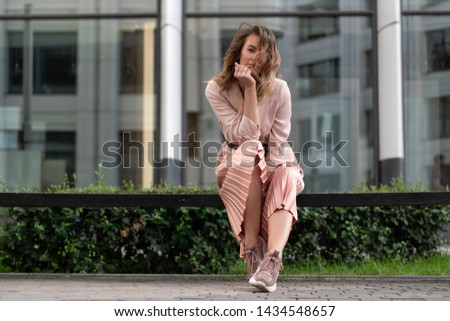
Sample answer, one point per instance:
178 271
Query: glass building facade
426 69
81 75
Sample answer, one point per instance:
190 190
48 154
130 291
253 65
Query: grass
437 265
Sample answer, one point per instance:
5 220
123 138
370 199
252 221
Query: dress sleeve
280 152
234 126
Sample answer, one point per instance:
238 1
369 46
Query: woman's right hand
244 75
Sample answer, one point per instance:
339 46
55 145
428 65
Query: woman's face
249 54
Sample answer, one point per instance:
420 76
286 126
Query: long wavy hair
267 60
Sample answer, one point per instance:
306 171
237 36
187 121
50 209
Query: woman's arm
279 150
235 126
246 81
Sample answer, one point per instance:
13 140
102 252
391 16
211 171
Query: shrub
117 240
349 234
199 240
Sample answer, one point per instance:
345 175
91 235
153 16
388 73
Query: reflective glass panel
79 6
93 101
426 5
426 62
277 5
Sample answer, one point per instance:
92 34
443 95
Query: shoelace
251 254
271 265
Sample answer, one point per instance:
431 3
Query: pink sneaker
265 277
254 255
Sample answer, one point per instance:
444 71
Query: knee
285 175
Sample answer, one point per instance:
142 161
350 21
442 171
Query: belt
233 145
236 145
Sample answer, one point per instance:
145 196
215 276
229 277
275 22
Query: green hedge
117 240
357 233
199 240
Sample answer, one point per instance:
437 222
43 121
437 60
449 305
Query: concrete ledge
218 277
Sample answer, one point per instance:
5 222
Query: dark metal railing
213 200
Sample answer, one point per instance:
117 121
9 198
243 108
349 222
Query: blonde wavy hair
268 59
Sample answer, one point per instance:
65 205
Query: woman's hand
244 75
248 84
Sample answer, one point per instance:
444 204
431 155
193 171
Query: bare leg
280 224
252 215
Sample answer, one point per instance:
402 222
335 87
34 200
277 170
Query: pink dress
264 146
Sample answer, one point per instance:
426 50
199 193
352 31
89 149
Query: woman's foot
265 277
254 255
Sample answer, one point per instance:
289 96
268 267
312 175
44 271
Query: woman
257 174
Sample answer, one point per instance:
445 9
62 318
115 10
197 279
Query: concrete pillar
171 126
391 151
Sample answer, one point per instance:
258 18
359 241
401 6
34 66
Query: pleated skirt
280 187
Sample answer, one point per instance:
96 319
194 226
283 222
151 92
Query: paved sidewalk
59 287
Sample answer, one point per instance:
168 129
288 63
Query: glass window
192 143
435 2
55 58
319 78
444 117
137 6
368 72
328 124
425 4
60 154
320 5
368 126
438 45
15 62
54 62
132 154
315 28
305 130
131 74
